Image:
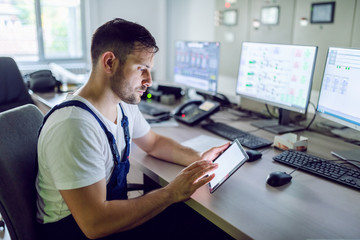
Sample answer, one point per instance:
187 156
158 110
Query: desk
45 101
247 208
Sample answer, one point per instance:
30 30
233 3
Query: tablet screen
228 162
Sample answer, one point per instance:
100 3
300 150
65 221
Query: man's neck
101 97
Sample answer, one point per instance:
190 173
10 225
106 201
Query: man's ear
108 62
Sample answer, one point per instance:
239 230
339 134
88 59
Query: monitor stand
265 123
280 126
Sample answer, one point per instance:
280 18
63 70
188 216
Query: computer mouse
277 179
253 155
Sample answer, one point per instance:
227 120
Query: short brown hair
120 36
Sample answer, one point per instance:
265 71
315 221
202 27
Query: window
41 30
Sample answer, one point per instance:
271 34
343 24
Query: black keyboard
321 167
246 139
151 109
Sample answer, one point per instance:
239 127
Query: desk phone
194 111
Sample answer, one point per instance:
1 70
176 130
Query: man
83 147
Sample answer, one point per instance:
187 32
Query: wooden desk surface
246 207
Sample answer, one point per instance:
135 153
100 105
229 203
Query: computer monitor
280 75
197 65
339 97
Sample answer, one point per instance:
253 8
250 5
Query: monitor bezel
330 116
273 103
207 92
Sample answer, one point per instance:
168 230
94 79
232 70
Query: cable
270 114
349 161
312 120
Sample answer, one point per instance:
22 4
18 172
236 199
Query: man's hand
194 176
190 179
214 152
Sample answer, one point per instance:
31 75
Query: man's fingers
204 180
197 164
221 148
214 152
225 146
198 170
201 169
203 172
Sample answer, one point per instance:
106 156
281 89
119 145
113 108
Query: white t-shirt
73 152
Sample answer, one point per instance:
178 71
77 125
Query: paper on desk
202 143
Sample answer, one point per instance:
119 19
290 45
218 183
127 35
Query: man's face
133 78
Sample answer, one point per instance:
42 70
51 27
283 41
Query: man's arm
169 150
98 217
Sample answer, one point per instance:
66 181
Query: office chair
13 91
18 170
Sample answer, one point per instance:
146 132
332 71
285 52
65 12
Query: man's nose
147 81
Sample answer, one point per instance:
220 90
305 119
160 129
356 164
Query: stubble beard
119 86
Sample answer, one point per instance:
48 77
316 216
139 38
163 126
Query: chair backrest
13 91
18 169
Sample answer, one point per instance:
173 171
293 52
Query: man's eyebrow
142 61
143 64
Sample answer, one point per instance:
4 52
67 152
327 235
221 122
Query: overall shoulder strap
82 105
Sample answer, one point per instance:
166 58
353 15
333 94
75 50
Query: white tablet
228 162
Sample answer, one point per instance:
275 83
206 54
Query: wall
280 33
167 20
230 50
171 20
149 13
337 34
355 41
190 20
344 32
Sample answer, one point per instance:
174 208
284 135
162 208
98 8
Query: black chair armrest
136 187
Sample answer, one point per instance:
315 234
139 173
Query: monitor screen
277 74
280 75
197 65
339 98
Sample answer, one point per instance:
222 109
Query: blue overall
117 186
